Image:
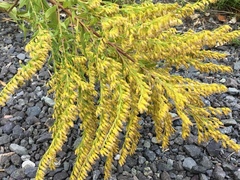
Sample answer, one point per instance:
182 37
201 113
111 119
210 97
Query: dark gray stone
228 167
7 128
33 111
131 161
60 176
18 149
233 91
162 166
18 174
192 150
236 175
213 148
16 118
165 176
188 163
231 83
3 175
218 173
150 155
205 162
30 171
4 139
141 160
198 169
31 120
229 122
10 169
16 159
17 131
226 130
21 56
236 65
203 177
44 137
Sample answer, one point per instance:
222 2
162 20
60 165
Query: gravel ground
24 123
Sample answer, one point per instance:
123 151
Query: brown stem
14 5
118 49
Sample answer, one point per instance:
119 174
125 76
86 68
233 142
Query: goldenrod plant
117 48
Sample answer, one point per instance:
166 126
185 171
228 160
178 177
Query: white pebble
28 163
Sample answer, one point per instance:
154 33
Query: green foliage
118 49
228 4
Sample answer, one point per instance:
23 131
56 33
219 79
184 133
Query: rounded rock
18 149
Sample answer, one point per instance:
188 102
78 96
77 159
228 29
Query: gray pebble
16 160
4 139
21 56
198 169
18 149
96 174
162 166
228 122
33 111
165 176
231 83
10 169
44 137
205 162
233 91
48 101
218 173
141 160
31 120
223 80
228 167
188 163
147 171
192 150
66 165
30 171
154 140
203 177
17 131
131 161
147 144
18 174
213 148
226 130
60 176
236 175
25 157
236 65
150 155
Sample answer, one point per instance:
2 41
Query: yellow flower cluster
38 48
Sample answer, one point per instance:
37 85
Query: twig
14 5
220 11
6 154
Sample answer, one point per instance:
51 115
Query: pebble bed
25 119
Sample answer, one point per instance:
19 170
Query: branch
118 49
14 5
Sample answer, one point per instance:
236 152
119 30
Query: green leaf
4 6
50 12
52 17
13 14
22 3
